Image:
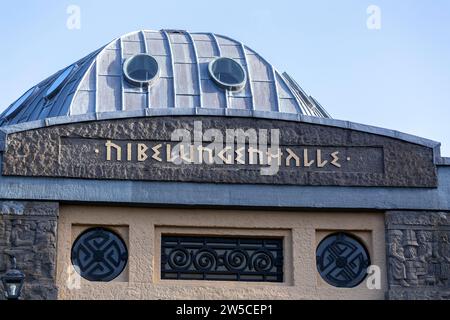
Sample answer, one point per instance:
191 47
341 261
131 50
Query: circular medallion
342 260
99 255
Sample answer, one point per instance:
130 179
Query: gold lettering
202 150
320 163
109 146
305 156
228 155
291 156
335 159
240 156
129 152
170 158
229 158
184 157
142 152
259 156
157 153
272 156
169 153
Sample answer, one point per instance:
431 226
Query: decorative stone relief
28 231
142 150
418 249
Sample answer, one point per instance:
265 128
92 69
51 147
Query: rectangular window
222 258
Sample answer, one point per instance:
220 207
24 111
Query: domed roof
95 87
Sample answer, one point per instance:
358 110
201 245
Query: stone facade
28 231
78 151
418 243
418 252
142 230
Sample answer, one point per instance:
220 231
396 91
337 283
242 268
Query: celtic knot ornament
342 260
99 255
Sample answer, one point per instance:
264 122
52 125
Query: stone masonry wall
28 231
418 255
78 151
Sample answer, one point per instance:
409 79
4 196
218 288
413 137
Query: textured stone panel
418 255
365 159
28 232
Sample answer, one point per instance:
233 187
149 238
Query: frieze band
142 149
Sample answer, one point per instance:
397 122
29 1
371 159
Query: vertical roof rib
183 59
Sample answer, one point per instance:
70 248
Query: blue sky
397 77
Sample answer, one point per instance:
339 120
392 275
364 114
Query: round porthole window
342 260
141 69
228 74
58 83
99 254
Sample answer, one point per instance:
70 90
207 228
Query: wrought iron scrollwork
99 255
342 260
222 259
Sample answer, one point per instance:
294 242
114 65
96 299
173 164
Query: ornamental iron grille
342 260
222 259
99 255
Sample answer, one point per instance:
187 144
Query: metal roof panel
96 85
